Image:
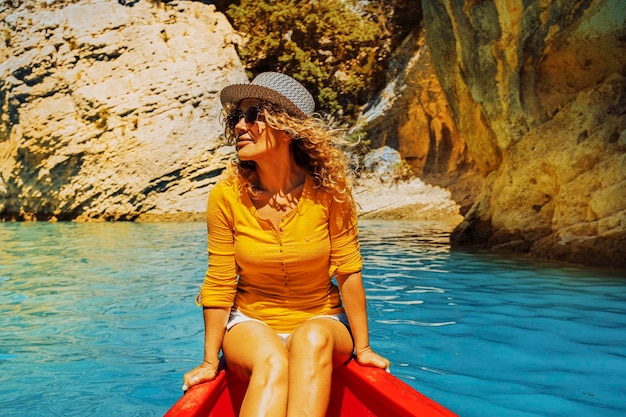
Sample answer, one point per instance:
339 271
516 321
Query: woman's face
256 140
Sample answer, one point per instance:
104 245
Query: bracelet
363 349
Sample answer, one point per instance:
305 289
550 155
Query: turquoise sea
99 319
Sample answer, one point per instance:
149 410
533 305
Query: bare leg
314 349
254 351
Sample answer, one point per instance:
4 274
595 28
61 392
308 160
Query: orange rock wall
538 93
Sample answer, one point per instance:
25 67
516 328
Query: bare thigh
251 344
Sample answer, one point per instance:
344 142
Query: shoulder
223 202
329 200
316 194
340 214
224 197
225 189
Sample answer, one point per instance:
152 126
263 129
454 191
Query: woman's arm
215 320
353 296
220 285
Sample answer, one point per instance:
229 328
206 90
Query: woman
281 226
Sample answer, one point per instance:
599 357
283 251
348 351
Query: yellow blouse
282 276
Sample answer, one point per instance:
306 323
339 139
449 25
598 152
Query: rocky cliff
111 112
540 94
520 108
412 115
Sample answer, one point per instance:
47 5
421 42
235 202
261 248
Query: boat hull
356 391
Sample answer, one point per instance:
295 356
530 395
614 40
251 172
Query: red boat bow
357 391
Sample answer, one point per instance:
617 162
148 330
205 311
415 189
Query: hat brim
234 93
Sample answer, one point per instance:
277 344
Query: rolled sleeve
220 282
345 255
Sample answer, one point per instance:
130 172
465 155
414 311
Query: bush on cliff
333 47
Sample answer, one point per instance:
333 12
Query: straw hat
276 88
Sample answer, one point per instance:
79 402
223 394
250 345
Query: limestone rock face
538 92
413 116
111 112
382 194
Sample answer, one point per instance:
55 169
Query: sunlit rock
111 112
539 94
412 115
383 191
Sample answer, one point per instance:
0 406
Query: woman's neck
279 178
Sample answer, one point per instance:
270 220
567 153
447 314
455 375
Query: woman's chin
243 155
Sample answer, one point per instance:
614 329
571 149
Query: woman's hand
204 373
367 357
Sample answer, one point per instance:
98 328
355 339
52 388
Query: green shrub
331 46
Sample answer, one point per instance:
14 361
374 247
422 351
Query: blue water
99 319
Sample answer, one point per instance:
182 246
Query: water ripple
99 319
413 323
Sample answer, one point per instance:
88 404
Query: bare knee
314 340
270 369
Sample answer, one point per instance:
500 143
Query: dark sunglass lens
234 117
251 115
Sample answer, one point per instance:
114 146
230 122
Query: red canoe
357 391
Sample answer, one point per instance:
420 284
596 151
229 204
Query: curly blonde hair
316 146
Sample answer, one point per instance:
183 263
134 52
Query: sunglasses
251 115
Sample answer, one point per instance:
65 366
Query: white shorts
237 317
